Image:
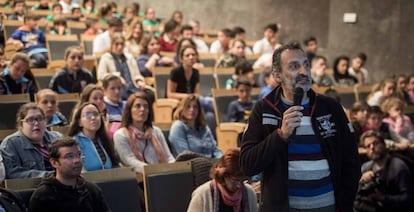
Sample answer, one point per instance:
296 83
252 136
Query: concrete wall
384 29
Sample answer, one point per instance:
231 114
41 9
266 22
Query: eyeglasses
90 115
31 120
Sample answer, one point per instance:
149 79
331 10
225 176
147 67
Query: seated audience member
47 100
393 108
123 65
239 34
392 139
187 32
357 69
358 116
4 62
57 10
67 5
129 12
66 189
386 183
102 42
239 110
150 20
318 72
241 70
340 70
410 87
270 82
401 89
133 37
196 27
87 128
227 190
43 5
234 56
31 40
150 56
115 11
76 15
89 7
105 13
180 45
169 37
311 46
222 44
138 142
190 131
17 78
10 200
19 10
112 87
269 42
178 17
72 78
92 27
60 26
265 60
25 152
385 89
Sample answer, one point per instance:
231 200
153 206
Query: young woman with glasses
25 152
88 129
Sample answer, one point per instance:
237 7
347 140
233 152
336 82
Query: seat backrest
10 26
10 104
67 102
57 45
207 59
363 91
222 75
347 95
222 99
5 133
43 76
161 75
22 183
207 81
163 110
87 44
228 135
76 28
168 187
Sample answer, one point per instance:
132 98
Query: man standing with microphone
301 142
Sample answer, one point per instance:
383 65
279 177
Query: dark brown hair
178 114
58 143
127 116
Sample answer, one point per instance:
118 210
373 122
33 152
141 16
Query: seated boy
239 110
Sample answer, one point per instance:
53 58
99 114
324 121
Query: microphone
297 100
297 96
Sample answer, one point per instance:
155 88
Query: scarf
137 136
238 200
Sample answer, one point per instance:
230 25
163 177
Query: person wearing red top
169 38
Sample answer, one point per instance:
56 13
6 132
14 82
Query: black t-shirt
184 86
64 81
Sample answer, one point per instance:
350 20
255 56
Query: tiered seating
10 104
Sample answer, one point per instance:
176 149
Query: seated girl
73 77
189 132
138 142
88 129
341 75
394 117
385 89
60 26
239 109
17 78
47 100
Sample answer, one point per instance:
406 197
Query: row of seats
167 187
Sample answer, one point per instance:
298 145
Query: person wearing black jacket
307 153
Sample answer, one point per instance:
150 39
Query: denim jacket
90 156
21 158
183 138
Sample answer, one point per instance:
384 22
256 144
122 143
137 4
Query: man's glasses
90 115
31 120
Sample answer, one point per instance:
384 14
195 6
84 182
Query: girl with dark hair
341 75
227 190
88 129
138 142
17 78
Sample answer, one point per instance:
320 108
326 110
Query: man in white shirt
357 69
102 42
266 44
187 32
222 44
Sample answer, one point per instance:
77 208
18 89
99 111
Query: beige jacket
107 66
